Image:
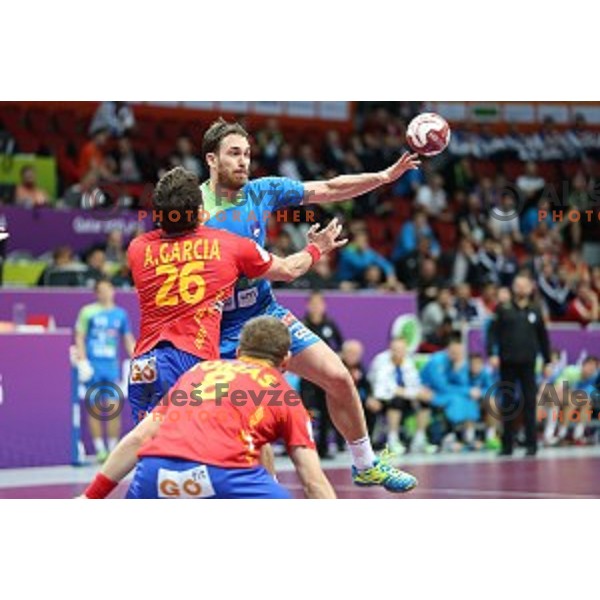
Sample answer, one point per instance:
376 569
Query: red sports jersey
182 283
222 412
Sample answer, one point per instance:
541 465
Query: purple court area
511 479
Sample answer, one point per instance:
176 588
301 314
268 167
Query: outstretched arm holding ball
346 187
428 134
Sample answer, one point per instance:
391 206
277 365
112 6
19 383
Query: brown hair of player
265 338
217 132
178 198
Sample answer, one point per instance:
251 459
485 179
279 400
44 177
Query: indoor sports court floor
566 473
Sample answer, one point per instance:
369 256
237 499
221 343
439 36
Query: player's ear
211 160
237 352
283 367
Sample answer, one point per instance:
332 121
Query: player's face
589 369
522 287
105 293
476 366
352 354
398 349
233 162
456 353
316 306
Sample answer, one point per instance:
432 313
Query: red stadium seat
145 130
40 122
12 116
402 208
68 124
378 232
549 171
68 168
446 234
28 143
484 168
170 131
513 169
570 168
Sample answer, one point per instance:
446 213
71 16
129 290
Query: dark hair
267 338
177 201
217 132
589 360
475 356
99 130
62 251
25 168
100 281
454 338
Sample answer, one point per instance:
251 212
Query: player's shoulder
382 357
89 308
87 311
273 186
144 238
213 233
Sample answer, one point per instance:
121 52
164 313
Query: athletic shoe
383 474
424 448
101 457
494 444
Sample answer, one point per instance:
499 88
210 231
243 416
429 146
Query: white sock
393 439
419 440
469 435
112 443
550 427
579 431
99 445
490 434
363 456
562 432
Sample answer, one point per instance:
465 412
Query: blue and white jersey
103 328
248 217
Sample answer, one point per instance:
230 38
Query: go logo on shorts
185 485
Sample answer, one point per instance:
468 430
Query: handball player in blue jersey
236 204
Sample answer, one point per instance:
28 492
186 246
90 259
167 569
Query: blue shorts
302 337
153 374
104 371
168 478
104 384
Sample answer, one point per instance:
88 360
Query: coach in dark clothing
318 322
516 337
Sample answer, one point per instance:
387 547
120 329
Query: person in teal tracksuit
482 378
447 374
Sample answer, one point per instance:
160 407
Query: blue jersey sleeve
279 192
125 324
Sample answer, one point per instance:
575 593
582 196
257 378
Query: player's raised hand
407 162
326 239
